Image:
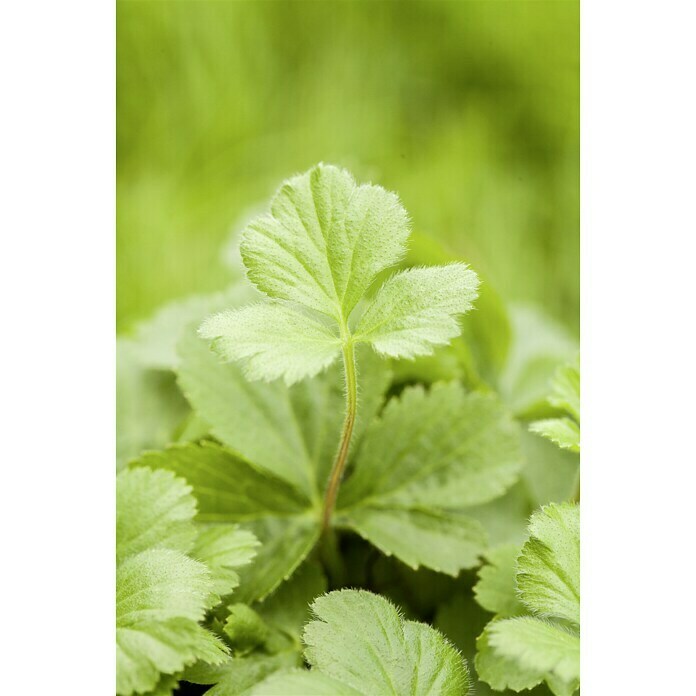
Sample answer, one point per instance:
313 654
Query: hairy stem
341 460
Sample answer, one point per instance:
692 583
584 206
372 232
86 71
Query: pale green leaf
443 541
360 640
273 340
500 672
161 596
303 683
160 584
564 432
161 593
155 509
565 387
418 309
239 675
442 448
149 405
537 645
229 490
155 340
539 345
550 474
496 589
430 455
548 570
292 433
325 240
224 548
565 396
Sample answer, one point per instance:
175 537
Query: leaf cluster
220 448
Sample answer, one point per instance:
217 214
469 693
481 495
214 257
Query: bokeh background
468 109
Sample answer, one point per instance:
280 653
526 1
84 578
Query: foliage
565 396
535 595
352 415
358 644
168 574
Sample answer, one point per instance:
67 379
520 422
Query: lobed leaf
324 241
442 447
318 252
537 645
272 340
418 309
359 640
548 569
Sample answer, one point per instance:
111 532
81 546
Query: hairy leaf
539 646
161 593
316 254
325 240
548 576
155 340
564 432
229 490
284 614
303 683
273 340
429 456
500 672
155 509
418 309
360 641
224 548
565 396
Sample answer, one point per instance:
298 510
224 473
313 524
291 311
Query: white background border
57 288
638 347
57 361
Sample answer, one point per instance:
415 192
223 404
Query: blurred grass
468 109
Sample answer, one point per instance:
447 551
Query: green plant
169 572
348 420
535 594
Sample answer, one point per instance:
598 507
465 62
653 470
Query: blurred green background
469 110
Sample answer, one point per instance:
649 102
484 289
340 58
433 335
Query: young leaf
548 575
155 340
417 309
229 490
149 406
565 396
318 252
359 644
520 652
162 594
564 432
539 646
283 614
429 456
273 340
224 548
